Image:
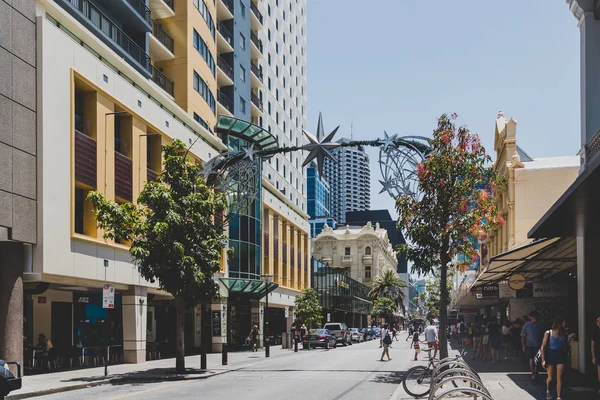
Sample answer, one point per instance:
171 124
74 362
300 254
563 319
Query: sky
400 65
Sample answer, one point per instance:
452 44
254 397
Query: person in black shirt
596 350
495 340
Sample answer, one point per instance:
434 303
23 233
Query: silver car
357 335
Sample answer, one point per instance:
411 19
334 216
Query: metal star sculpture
388 141
249 152
319 149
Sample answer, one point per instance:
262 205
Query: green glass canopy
262 139
252 288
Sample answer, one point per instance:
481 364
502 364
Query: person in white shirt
386 341
431 337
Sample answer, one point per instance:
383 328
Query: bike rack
454 370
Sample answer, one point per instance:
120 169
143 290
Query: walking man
431 337
531 340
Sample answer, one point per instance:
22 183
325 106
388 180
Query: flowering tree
455 205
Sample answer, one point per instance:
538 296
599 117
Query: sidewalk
512 380
158 370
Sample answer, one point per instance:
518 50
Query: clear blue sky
398 66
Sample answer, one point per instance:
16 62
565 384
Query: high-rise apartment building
116 79
349 180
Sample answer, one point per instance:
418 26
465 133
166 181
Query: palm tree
390 286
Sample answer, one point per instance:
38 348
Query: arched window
367 251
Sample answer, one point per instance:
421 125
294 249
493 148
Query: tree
308 310
174 235
455 205
430 297
389 285
384 307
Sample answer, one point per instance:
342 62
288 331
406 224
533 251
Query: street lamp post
267 279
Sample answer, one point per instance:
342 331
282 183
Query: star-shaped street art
388 141
387 185
249 152
319 149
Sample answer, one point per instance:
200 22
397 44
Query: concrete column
588 296
302 266
294 256
11 301
135 309
279 261
217 340
270 256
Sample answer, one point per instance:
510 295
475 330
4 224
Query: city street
352 372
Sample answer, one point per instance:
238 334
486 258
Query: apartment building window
277 94
284 108
260 122
242 73
347 251
284 59
277 164
367 251
202 122
269 107
242 9
277 24
242 105
269 34
284 82
277 71
242 41
284 172
284 15
202 48
368 273
269 10
284 126
283 37
277 117
277 48
203 10
269 58
269 83
201 87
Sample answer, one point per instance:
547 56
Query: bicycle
417 380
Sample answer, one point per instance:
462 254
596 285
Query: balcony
225 71
151 175
224 9
225 103
123 177
347 261
161 44
91 16
162 8
367 260
257 74
141 7
257 45
257 107
256 18
85 159
225 39
161 80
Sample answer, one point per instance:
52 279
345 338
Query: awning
536 260
259 137
253 288
578 203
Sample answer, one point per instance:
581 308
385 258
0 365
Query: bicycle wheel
417 381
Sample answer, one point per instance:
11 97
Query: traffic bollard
295 346
267 349
224 354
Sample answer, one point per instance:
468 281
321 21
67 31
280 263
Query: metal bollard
267 349
224 354
295 346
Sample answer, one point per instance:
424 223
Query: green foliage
455 206
308 310
390 286
384 307
171 230
430 297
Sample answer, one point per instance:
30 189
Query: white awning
536 260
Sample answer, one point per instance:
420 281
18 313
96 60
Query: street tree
384 307
430 296
308 311
174 232
391 286
454 206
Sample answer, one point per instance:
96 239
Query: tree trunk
180 336
443 317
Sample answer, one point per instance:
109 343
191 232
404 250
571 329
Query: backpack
387 339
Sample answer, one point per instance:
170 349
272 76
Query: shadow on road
147 376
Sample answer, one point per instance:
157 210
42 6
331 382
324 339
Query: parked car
356 335
340 331
367 334
319 338
377 331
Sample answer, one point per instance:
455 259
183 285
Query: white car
357 335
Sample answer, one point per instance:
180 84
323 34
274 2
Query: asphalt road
348 373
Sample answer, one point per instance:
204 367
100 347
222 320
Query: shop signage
490 292
41 300
35 287
468 311
224 324
108 296
550 289
517 282
287 312
83 299
216 323
506 292
328 317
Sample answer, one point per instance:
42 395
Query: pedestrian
254 333
411 330
415 344
431 337
44 345
530 341
477 338
506 339
386 341
596 350
495 340
554 356
485 338
515 335
394 333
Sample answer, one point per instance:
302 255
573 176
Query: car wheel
335 344
326 345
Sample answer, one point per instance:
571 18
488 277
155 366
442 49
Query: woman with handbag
554 356
386 341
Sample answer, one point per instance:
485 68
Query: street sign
328 317
108 296
490 292
287 312
517 281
